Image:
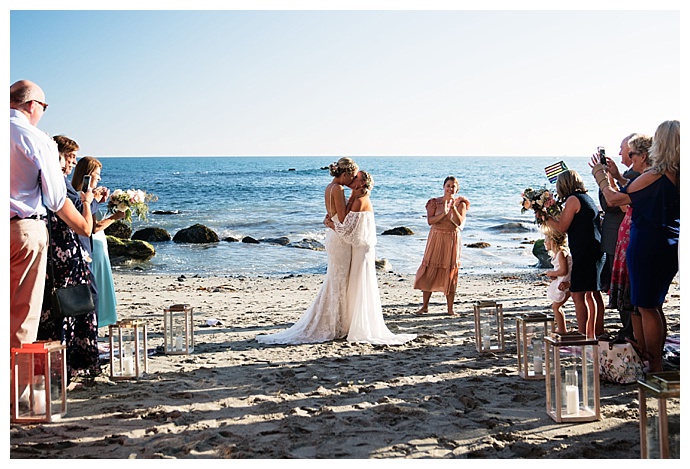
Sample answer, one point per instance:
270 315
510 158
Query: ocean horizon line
338 156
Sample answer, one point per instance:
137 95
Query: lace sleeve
355 230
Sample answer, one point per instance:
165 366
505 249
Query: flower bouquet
130 201
542 202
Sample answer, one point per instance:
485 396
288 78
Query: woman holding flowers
580 220
106 305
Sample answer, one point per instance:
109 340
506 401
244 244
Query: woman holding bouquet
580 219
106 306
441 261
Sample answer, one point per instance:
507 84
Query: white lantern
531 328
178 329
572 377
128 349
488 326
659 395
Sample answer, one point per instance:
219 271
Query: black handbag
74 300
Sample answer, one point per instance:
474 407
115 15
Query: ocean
271 197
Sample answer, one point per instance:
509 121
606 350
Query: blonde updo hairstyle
640 144
343 166
367 181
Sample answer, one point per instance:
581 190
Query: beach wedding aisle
435 397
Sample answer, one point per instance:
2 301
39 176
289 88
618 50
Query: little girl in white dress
558 291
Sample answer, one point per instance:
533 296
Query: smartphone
602 155
86 184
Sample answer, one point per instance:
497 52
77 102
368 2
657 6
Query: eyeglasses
45 106
630 154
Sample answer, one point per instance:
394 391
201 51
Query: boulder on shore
399 231
542 255
119 229
152 235
128 249
196 234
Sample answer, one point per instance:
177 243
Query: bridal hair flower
542 202
130 201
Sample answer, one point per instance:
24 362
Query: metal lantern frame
578 401
655 437
39 382
128 349
488 326
531 329
178 329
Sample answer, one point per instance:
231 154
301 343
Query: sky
373 78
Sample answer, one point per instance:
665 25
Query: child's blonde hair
559 240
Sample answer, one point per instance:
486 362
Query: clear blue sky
357 82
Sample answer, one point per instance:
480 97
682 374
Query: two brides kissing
348 305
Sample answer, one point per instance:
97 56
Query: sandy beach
435 397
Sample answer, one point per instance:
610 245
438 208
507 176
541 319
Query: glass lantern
128 349
660 415
488 326
572 377
39 379
178 329
531 329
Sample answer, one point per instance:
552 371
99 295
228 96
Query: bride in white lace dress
358 229
327 317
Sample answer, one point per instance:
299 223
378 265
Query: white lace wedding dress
363 300
327 317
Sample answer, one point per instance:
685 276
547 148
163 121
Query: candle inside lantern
538 360
178 343
538 365
572 392
486 336
39 399
128 361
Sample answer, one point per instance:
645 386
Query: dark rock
514 227
196 234
152 235
542 255
165 212
231 239
399 231
119 229
129 249
283 240
480 245
307 243
250 240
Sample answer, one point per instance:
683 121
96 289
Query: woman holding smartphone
88 171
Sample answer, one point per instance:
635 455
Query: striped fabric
554 170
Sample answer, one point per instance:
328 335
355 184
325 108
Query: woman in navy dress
652 253
580 219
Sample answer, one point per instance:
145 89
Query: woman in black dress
67 265
580 219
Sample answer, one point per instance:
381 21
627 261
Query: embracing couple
348 304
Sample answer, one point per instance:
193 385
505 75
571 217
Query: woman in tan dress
441 262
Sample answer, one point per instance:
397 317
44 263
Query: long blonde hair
665 151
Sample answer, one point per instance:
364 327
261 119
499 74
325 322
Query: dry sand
435 397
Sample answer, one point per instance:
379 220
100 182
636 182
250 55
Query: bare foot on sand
421 311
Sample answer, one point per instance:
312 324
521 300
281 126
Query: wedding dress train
327 317
363 300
